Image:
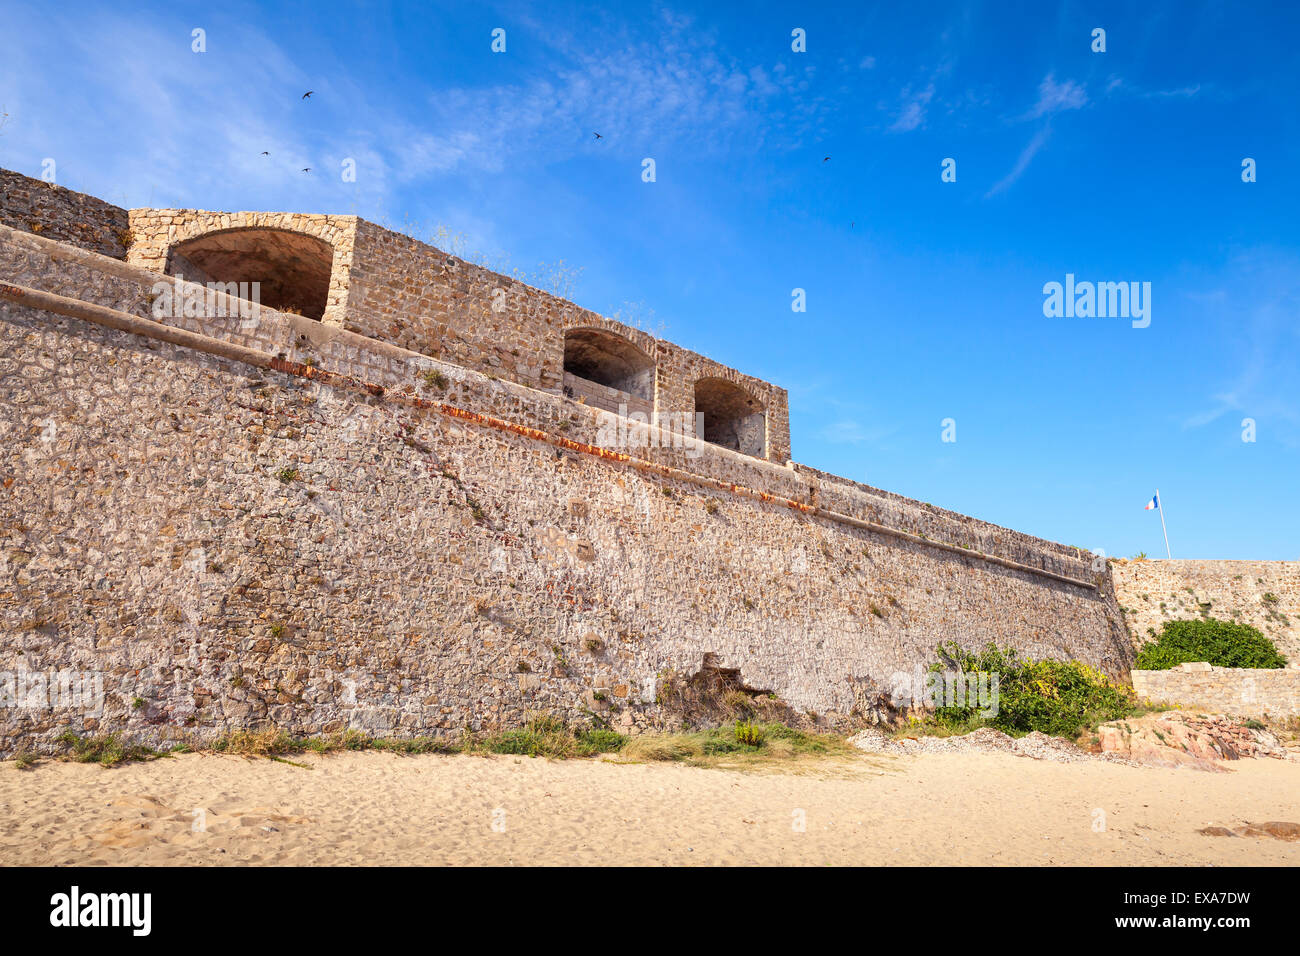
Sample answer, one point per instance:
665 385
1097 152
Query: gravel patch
1035 745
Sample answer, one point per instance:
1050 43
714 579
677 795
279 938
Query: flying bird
265 153
597 135
308 93
307 170
826 160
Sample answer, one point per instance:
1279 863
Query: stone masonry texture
1242 692
234 547
415 522
393 288
437 538
1264 594
46 209
160 236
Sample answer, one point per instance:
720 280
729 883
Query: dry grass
107 750
714 695
736 745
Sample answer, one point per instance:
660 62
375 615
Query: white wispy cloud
1055 97
1022 162
1182 92
1119 84
172 127
1224 404
1251 312
852 432
193 126
912 113
638 97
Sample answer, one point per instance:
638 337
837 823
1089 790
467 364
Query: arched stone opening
291 268
607 370
732 417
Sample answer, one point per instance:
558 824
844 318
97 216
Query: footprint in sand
125 835
144 819
148 806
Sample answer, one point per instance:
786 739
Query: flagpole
1160 506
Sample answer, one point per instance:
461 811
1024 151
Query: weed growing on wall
558 278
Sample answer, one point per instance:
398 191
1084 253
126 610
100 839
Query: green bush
525 742
548 736
749 734
1221 643
599 741
1060 698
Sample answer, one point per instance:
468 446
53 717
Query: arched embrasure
292 269
607 359
732 417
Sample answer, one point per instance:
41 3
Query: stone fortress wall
295 522
1239 691
1263 594
44 209
355 275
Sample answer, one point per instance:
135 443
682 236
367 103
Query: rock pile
1168 739
1277 829
1177 739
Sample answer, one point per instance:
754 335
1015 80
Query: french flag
1153 503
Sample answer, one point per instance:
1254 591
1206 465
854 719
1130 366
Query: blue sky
924 298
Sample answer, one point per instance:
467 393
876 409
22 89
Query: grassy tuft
545 736
107 749
435 379
714 696
749 734
742 745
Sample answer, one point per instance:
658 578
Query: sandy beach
378 808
